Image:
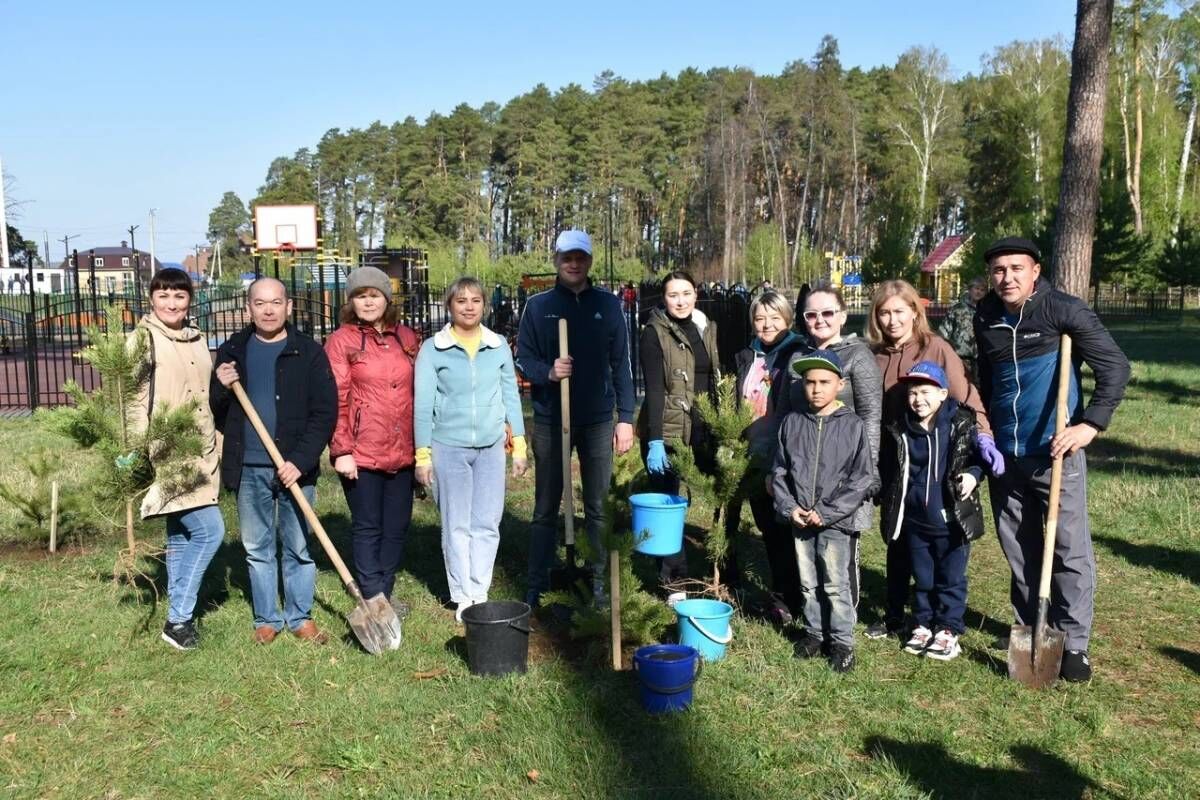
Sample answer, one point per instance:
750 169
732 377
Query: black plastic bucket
497 637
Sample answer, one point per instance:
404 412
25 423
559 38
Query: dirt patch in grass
29 552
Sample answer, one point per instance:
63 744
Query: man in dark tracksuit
1017 328
288 379
601 380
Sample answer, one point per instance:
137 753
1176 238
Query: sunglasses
826 314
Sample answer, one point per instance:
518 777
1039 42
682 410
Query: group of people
842 425
901 422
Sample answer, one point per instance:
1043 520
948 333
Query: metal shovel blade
1036 667
375 625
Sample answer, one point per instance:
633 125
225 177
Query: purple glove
992 457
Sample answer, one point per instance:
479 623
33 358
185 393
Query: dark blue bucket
667 673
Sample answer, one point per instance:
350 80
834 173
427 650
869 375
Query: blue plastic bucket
658 517
704 625
667 673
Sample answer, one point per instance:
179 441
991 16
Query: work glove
656 457
992 458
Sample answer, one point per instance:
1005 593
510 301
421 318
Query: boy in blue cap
822 474
931 493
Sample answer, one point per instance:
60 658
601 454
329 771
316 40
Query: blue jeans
470 496
939 568
264 506
823 561
594 445
380 511
193 537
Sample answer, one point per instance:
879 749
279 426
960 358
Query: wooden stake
53 516
614 603
129 526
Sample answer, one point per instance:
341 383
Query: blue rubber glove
656 457
992 457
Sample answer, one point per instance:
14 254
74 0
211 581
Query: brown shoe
309 632
264 634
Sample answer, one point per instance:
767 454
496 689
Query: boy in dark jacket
822 474
931 481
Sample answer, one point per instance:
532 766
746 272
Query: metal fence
39 348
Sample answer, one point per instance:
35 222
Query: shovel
569 576
373 620
1035 655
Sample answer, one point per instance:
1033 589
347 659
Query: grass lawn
93 704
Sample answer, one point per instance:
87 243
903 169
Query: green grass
92 705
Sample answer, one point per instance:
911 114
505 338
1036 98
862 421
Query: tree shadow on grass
1184 563
1167 391
1116 457
933 770
1187 658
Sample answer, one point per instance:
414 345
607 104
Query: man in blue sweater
601 380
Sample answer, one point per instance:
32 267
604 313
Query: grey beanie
369 278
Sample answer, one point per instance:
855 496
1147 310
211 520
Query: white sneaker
919 641
675 597
463 606
944 646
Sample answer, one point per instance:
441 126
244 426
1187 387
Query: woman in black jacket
764 381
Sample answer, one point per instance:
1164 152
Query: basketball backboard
290 227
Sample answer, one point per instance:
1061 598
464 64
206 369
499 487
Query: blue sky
108 109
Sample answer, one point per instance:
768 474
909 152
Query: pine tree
644 617
33 502
103 420
717 494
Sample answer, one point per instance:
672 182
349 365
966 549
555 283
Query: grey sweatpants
1019 502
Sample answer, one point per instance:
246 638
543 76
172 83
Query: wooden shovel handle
297 493
565 395
1060 423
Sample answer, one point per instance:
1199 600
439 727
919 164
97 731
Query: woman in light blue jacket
466 390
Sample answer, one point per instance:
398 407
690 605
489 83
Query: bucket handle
516 625
673 689
722 640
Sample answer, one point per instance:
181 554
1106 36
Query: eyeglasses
825 314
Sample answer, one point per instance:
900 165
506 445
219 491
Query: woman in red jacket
372 450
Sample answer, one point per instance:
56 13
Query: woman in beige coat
180 366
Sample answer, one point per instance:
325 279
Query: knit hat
369 278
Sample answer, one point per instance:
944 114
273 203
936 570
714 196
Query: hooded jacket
919 469
823 463
895 361
305 405
180 367
862 394
1018 367
374 374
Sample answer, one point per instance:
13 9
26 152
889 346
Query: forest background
744 177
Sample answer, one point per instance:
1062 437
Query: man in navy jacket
1017 329
288 379
601 381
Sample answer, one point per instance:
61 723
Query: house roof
945 249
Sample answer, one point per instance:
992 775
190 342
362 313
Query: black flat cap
1013 244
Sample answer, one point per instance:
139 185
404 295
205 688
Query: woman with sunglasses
900 337
824 314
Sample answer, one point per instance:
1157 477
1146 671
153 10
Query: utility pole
137 263
46 245
153 211
66 240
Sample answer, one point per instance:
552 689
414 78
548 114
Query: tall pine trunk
1079 186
